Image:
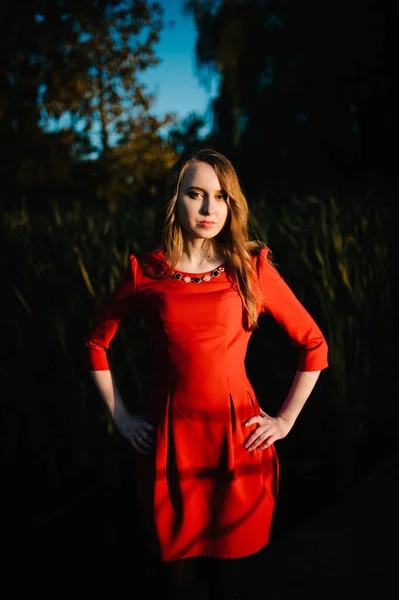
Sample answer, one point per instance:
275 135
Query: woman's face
201 204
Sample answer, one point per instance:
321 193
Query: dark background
306 111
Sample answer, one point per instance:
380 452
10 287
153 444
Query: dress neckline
199 273
221 267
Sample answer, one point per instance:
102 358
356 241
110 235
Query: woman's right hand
137 431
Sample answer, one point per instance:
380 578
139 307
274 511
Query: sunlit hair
233 240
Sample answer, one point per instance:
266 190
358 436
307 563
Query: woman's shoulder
150 262
259 249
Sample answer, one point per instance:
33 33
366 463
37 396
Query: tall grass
334 253
58 268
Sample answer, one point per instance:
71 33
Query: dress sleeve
119 304
280 302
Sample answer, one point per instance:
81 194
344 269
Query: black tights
203 578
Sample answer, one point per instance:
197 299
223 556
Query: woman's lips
206 224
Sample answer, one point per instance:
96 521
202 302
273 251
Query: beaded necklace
207 277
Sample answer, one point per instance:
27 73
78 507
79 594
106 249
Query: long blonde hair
233 240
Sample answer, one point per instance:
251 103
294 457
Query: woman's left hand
269 429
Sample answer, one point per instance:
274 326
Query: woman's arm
280 302
270 429
134 428
106 387
300 390
120 304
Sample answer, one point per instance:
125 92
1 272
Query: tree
95 76
73 69
186 136
306 88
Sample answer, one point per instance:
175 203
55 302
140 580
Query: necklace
207 277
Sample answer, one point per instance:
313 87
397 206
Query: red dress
201 492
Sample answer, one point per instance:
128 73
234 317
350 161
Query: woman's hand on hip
269 430
137 431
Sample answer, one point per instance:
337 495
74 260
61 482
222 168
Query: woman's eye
199 195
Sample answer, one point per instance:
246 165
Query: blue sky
174 81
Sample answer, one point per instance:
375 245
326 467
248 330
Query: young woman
207 469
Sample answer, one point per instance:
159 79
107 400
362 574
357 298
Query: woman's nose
209 206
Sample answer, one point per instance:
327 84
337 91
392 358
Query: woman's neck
200 258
